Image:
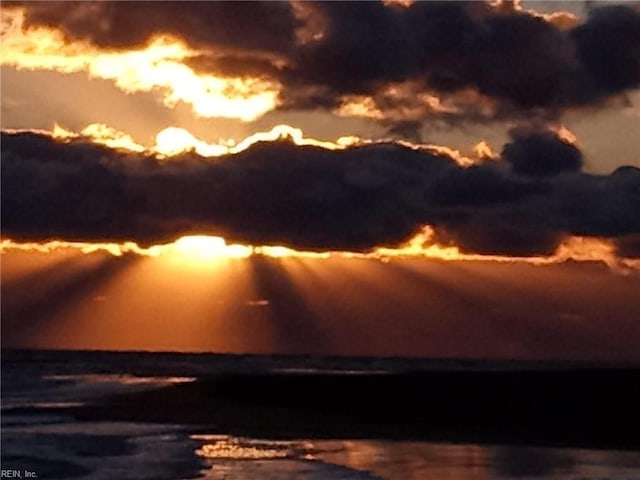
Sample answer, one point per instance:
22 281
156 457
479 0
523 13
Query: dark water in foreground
50 426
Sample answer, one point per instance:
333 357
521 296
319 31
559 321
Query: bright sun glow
173 141
203 247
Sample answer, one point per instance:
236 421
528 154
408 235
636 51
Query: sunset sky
450 179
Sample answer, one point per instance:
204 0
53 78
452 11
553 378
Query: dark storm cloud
249 26
271 193
306 197
496 235
446 45
608 46
540 153
62 192
606 205
482 185
522 63
518 62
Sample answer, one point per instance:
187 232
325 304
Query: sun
200 247
172 141
205 247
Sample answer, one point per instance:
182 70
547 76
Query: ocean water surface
43 433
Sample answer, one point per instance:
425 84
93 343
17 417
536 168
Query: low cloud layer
309 197
397 65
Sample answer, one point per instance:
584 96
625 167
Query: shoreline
588 408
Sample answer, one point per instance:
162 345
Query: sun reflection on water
243 458
231 448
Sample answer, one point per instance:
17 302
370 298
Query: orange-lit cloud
296 136
407 61
101 134
196 249
594 249
564 134
562 20
173 141
399 3
161 66
359 106
406 101
116 249
483 151
573 248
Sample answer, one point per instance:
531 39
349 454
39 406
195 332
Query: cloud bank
526 202
396 64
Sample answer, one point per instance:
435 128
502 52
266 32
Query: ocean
156 416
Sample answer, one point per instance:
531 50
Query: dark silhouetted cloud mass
313 198
540 153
